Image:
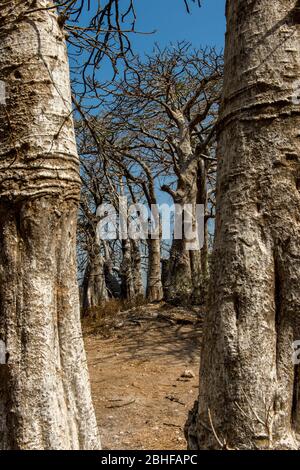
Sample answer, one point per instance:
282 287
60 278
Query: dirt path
140 396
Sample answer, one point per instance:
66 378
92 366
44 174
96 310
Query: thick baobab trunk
45 400
249 385
94 290
154 278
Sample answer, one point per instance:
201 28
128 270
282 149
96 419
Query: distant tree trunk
94 285
248 383
185 269
112 281
154 292
202 198
45 400
137 269
154 281
165 275
127 277
131 275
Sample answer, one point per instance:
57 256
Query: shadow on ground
140 391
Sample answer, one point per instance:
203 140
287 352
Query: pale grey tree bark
154 281
137 269
45 399
126 271
184 278
249 385
154 292
202 198
131 270
94 290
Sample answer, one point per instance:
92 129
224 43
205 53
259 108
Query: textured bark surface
94 289
126 272
137 269
184 279
202 198
154 282
248 383
45 400
154 288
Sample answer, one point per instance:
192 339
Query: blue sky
171 23
204 26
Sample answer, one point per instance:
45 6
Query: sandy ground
144 376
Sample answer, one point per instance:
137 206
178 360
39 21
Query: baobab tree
113 147
45 400
94 257
131 265
169 104
249 385
133 160
146 180
105 178
92 261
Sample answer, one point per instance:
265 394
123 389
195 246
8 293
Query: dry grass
108 315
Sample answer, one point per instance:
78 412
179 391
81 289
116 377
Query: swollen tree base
45 400
249 385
